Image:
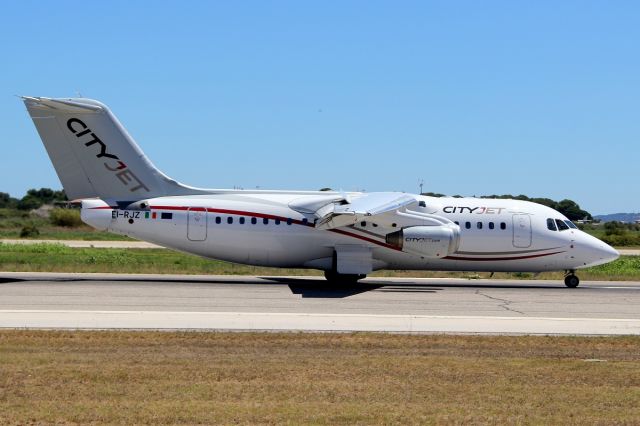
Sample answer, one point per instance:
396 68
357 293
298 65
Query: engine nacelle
427 241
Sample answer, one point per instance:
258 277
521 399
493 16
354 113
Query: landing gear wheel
335 278
571 281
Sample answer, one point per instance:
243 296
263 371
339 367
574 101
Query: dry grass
267 378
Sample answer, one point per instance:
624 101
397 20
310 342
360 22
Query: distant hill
620 217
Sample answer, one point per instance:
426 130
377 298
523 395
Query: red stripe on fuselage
488 259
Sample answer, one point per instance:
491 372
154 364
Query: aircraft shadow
321 288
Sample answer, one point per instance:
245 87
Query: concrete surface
48 300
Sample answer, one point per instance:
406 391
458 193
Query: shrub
29 231
29 203
614 228
69 218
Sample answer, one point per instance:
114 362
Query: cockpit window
561 225
571 224
551 225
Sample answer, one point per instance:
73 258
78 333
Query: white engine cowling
427 241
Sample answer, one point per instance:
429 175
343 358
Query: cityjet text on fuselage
473 210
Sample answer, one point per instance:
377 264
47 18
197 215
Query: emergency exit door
521 230
197 224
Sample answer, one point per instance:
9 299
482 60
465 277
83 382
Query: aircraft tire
571 281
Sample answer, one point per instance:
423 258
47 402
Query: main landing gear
571 280
336 278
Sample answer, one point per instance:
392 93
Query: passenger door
521 230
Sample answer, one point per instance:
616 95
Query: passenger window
375 225
467 225
304 221
277 221
289 221
254 220
393 225
363 223
479 224
503 225
551 225
229 220
561 225
571 224
241 221
218 220
265 221
457 223
491 226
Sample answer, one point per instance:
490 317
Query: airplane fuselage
262 229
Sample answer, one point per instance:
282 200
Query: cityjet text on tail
347 235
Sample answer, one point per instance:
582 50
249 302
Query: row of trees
569 208
32 200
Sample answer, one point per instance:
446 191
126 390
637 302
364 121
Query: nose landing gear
571 280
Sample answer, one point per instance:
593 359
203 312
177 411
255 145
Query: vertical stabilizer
93 154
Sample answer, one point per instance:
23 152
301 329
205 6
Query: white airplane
347 235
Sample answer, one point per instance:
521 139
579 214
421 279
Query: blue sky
539 98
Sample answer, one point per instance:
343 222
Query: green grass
44 257
49 377
59 258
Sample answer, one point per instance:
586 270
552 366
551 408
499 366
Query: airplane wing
353 211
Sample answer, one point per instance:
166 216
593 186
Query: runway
433 305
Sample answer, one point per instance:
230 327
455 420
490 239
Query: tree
47 195
545 202
572 210
29 203
37 197
7 201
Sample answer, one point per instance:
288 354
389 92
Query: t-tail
93 154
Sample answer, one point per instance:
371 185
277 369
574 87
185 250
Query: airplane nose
597 252
609 253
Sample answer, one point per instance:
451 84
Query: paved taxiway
103 301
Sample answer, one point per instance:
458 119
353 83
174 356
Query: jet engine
427 241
